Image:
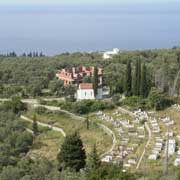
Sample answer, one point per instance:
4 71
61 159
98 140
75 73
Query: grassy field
69 124
46 144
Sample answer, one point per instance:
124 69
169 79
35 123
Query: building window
85 93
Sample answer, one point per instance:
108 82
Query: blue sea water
57 29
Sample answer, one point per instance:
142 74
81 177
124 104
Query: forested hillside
149 79
29 76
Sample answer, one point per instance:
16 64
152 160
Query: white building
110 54
86 91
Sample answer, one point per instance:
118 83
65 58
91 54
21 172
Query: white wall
85 94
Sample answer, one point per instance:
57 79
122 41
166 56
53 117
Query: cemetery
131 135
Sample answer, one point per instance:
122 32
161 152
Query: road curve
111 133
35 103
55 108
105 128
54 128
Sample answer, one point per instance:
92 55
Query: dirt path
35 103
55 108
111 133
105 128
146 146
54 128
29 130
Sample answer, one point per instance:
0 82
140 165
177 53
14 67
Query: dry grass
47 145
68 124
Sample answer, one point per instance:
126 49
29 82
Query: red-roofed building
76 75
86 86
85 91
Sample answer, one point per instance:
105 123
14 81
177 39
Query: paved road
149 135
54 128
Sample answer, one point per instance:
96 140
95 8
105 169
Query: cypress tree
135 80
139 78
87 123
35 125
178 58
95 81
128 82
94 161
144 87
72 154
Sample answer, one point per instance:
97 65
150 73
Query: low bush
86 106
40 110
135 102
158 100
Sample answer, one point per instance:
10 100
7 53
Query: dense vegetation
81 107
29 76
15 164
149 79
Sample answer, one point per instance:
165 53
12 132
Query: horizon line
90 3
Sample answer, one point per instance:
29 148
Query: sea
73 28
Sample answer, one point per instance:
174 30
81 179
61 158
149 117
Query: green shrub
86 106
132 101
158 100
40 110
136 102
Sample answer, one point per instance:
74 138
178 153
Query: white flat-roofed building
110 54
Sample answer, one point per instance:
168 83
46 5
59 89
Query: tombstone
153 157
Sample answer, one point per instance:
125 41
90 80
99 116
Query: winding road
35 103
54 128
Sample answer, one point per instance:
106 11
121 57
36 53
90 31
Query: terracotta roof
86 86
